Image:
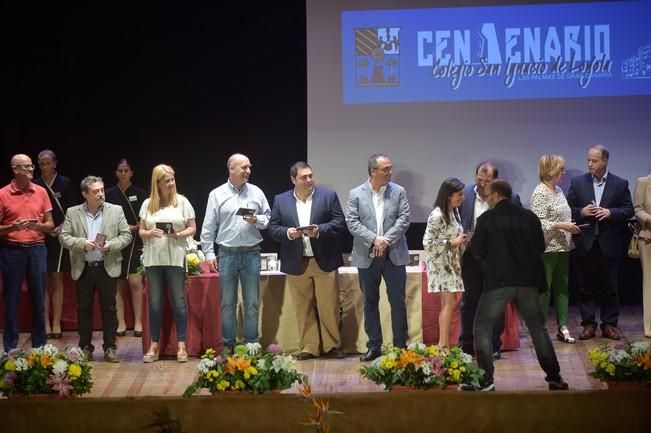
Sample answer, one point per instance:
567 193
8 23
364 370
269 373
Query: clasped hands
592 210
92 245
380 245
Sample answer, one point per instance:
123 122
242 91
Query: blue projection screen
506 52
381 78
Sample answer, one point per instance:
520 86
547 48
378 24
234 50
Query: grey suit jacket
74 235
361 222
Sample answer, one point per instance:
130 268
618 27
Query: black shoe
370 355
137 333
558 385
497 355
335 353
471 387
121 333
304 356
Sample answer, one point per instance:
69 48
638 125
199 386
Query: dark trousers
598 282
473 283
16 263
395 278
95 277
491 306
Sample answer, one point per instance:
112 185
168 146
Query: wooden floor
516 371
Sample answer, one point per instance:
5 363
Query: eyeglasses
25 166
385 169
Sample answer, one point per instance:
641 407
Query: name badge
57 195
133 198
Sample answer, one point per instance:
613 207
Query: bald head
239 169
20 159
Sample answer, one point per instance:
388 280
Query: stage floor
516 371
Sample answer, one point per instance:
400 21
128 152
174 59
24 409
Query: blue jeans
243 266
157 277
16 263
395 278
491 306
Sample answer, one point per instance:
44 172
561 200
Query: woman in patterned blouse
443 242
549 203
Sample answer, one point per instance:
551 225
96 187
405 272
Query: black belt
249 248
95 264
24 244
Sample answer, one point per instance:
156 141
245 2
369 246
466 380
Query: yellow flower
387 363
239 384
210 353
222 385
252 370
74 371
454 364
192 259
10 365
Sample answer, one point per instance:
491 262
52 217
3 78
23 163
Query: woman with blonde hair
443 242
549 204
166 220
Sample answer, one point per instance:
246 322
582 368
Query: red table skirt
204 330
69 313
432 306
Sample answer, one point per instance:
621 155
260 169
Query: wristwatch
447 244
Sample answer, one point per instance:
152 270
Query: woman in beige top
549 203
643 215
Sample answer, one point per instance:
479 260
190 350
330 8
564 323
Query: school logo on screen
377 56
638 66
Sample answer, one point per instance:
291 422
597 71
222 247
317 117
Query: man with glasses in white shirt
378 217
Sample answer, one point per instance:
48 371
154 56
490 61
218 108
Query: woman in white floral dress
549 203
444 241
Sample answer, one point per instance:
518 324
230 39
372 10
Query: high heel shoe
563 335
151 356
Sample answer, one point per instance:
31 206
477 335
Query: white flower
261 364
60 366
253 348
617 356
417 347
49 350
283 362
465 358
640 347
205 365
21 364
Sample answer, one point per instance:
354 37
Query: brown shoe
111 356
588 332
611 332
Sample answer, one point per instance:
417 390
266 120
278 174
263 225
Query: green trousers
557 266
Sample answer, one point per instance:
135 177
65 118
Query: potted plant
247 368
624 366
422 367
45 371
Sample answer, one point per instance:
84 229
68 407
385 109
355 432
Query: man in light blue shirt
235 214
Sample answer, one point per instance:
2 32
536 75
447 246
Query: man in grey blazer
378 217
95 232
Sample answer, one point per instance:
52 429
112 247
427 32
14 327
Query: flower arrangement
630 364
246 368
45 370
193 257
423 367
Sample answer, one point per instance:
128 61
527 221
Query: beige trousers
645 259
312 292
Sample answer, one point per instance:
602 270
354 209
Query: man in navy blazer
307 221
378 217
601 201
473 206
